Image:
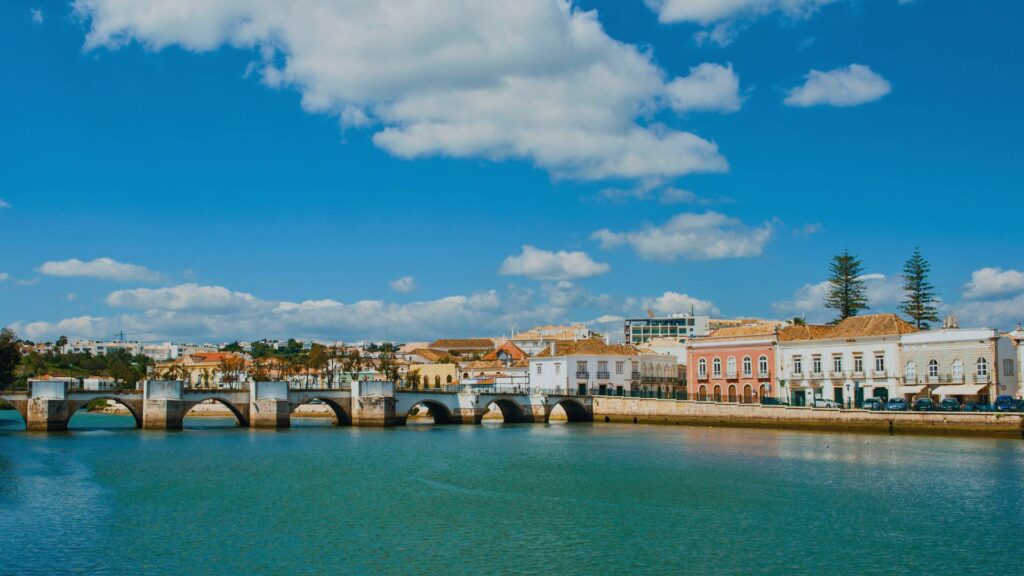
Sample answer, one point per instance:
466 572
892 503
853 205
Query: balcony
603 375
636 375
762 376
816 376
836 375
982 378
582 375
879 374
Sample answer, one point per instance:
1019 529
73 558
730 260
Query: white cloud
678 303
405 284
884 293
709 11
37 15
708 87
4 203
856 84
546 265
722 34
192 297
71 296
708 236
808 229
1004 313
989 282
102 268
4 276
538 80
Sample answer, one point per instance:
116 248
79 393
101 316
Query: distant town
856 362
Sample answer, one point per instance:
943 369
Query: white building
592 366
101 348
855 359
535 340
99 383
976 364
1017 337
171 351
679 327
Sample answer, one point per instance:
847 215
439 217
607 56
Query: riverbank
688 412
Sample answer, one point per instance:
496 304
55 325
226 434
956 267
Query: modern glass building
679 327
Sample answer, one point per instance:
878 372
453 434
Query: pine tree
919 304
847 294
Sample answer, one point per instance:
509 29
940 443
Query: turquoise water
523 499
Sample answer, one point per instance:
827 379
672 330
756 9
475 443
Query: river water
105 498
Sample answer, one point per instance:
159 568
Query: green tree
847 293
798 321
10 356
919 304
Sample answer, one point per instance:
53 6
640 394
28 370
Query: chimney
552 347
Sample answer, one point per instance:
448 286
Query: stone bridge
163 405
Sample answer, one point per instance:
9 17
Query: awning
959 390
910 389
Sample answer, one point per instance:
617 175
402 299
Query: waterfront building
1017 337
434 375
974 364
171 351
595 366
207 369
855 359
678 327
733 364
537 339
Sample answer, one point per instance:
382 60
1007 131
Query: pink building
733 364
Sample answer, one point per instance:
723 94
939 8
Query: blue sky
256 171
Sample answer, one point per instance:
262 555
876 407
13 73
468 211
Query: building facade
856 359
679 327
733 364
594 367
967 364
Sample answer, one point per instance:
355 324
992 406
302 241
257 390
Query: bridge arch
437 410
341 416
74 407
510 410
241 418
575 411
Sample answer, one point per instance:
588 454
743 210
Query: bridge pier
269 406
47 414
162 405
374 404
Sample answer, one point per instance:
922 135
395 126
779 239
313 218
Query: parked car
1020 405
924 405
978 407
769 401
1005 403
896 404
949 405
873 404
825 403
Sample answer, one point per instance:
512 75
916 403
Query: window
437 381
620 367
539 368
748 366
558 368
958 369
448 379
716 367
762 365
602 367
798 365
858 364
982 367
702 367
879 362
1008 367
730 366
933 368
581 367
837 363
816 364
910 371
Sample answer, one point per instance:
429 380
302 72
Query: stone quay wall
689 412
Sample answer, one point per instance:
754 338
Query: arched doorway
702 393
748 394
732 393
717 393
